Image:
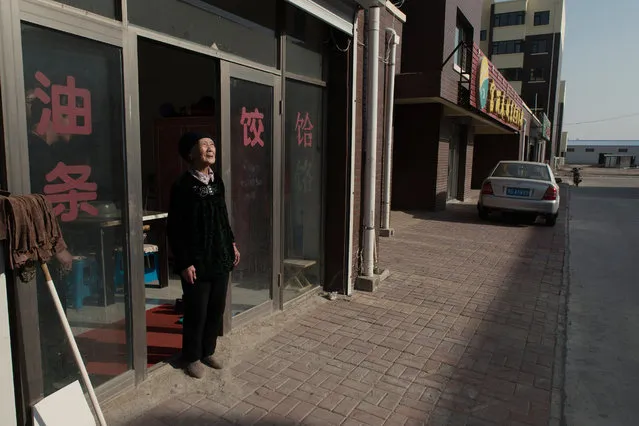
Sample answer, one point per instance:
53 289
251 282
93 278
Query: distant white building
594 152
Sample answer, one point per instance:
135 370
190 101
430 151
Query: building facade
593 152
562 136
456 114
95 95
525 40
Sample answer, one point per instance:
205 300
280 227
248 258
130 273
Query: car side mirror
559 180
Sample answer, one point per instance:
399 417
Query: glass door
75 127
303 243
251 158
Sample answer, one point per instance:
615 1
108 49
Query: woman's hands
189 275
66 260
237 255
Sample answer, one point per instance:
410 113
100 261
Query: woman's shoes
196 370
212 362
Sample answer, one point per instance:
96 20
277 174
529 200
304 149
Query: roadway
602 357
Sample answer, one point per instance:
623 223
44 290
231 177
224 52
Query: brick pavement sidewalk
461 333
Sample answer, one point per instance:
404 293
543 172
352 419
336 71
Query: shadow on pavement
497 349
467 213
461 333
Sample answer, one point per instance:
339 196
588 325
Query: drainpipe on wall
386 230
370 165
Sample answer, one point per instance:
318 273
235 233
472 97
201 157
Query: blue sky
601 68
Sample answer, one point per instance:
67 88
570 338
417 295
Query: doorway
179 92
453 166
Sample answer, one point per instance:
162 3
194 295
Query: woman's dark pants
204 304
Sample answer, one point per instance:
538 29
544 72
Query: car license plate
518 192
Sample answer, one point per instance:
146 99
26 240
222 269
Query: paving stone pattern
461 333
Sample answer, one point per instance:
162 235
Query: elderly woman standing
204 251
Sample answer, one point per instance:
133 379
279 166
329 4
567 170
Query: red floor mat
104 349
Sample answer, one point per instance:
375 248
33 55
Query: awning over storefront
337 13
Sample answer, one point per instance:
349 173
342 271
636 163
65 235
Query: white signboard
66 407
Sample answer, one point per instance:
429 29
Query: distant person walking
204 251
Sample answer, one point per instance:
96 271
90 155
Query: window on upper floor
537 74
590 150
483 35
508 46
463 43
571 149
512 74
536 103
539 46
623 149
542 18
509 19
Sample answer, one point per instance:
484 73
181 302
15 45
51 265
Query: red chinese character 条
74 191
70 111
252 122
304 129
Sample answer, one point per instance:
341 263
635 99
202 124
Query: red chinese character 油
73 193
70 107
252 122
304 128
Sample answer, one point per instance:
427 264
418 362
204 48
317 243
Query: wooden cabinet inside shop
169 165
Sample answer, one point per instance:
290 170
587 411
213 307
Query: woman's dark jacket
198 227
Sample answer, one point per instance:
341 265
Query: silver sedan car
521 187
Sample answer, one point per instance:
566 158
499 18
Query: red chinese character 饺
304 129
73 193
70 107
252 122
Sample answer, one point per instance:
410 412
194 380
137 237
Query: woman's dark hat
188 141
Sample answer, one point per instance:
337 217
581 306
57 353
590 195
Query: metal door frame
230 70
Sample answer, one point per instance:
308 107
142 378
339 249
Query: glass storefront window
303 242
74 94
244 28
107 8
305 43
252 192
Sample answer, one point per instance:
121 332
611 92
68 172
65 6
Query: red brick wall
470 149
415 156
422 47
466 165
441 185
471 10
358 146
